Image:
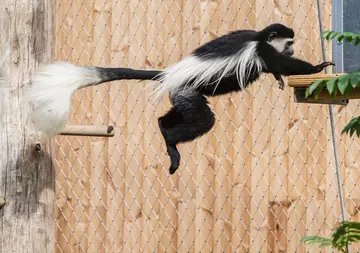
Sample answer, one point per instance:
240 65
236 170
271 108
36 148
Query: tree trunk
27 174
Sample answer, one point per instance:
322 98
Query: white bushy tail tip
51 91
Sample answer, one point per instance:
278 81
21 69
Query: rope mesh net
263 178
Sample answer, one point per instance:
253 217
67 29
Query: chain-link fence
263 178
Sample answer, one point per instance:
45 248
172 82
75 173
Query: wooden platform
301 82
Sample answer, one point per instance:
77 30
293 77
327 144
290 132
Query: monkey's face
288 47
281 44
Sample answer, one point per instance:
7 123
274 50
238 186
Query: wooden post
27 174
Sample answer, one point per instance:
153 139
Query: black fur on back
226 45
282 31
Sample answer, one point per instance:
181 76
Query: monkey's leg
189 118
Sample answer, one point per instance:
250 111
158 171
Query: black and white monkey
227 64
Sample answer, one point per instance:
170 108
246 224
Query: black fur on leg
189 118
175 158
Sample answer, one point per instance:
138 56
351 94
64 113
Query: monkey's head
280 37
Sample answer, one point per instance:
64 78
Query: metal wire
332 123
337 170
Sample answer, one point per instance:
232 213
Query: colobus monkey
227 64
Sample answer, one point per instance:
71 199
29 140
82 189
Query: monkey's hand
280 81
320 67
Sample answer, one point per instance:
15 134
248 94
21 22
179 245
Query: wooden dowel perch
306 80
83 130
301 82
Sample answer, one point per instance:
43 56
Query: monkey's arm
286 65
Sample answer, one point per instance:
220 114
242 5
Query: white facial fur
280 44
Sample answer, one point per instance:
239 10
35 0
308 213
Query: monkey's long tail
52 88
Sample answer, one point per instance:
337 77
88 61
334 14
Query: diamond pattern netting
262 179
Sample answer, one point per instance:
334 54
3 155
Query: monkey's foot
174 157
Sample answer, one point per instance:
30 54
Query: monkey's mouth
289 52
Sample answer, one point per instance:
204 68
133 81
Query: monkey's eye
290 43
272 35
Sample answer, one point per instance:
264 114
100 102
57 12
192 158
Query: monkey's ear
272 35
